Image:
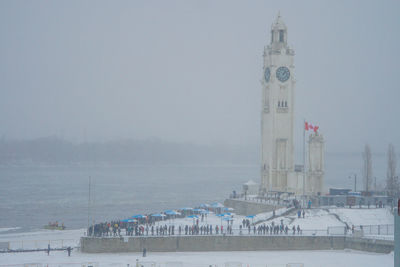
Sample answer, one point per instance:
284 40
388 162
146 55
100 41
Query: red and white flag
308 126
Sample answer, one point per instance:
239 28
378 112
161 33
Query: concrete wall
370 245
230 243
248 208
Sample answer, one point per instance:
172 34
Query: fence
63 264
42 244
387 229
384 229
371 230
152 264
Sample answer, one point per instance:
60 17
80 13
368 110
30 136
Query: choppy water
31 196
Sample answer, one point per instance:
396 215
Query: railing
367 230
383 229
42 244
376 231
330 231
152 264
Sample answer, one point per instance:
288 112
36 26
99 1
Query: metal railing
381 229
42 244
153 264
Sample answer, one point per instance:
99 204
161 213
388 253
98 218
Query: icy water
31 196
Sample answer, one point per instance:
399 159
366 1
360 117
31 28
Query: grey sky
189 71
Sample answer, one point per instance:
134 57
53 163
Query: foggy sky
190 71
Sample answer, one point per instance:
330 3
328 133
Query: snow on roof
250 182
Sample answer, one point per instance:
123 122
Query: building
278 171
316 163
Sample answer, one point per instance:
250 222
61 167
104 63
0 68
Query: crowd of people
119 228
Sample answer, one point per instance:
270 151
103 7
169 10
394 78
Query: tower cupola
278 33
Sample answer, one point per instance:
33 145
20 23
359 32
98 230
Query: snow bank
205 259
364 216
9 229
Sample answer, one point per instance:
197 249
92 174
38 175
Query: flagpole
304 159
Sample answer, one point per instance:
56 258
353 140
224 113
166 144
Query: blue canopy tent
193 217
204 212
171 212
221 215
198 210
227 219
217 207
251 217
158 215
139 216
187 210
129 220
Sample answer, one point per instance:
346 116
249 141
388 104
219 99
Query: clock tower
277 114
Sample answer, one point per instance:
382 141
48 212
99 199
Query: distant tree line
53 150
392 180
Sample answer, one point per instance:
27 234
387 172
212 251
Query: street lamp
355 181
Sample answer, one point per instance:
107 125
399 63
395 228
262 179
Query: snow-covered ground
364 216
200 259
313 219
41 238
8 229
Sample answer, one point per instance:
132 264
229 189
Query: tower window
272 36
279 104
281 35
285 103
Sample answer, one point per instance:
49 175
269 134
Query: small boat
54 226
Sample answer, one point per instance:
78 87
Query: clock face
283 74
267 74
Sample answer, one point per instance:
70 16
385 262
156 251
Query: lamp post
355 181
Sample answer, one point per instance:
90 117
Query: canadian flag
308 126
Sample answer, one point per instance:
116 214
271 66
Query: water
32 196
